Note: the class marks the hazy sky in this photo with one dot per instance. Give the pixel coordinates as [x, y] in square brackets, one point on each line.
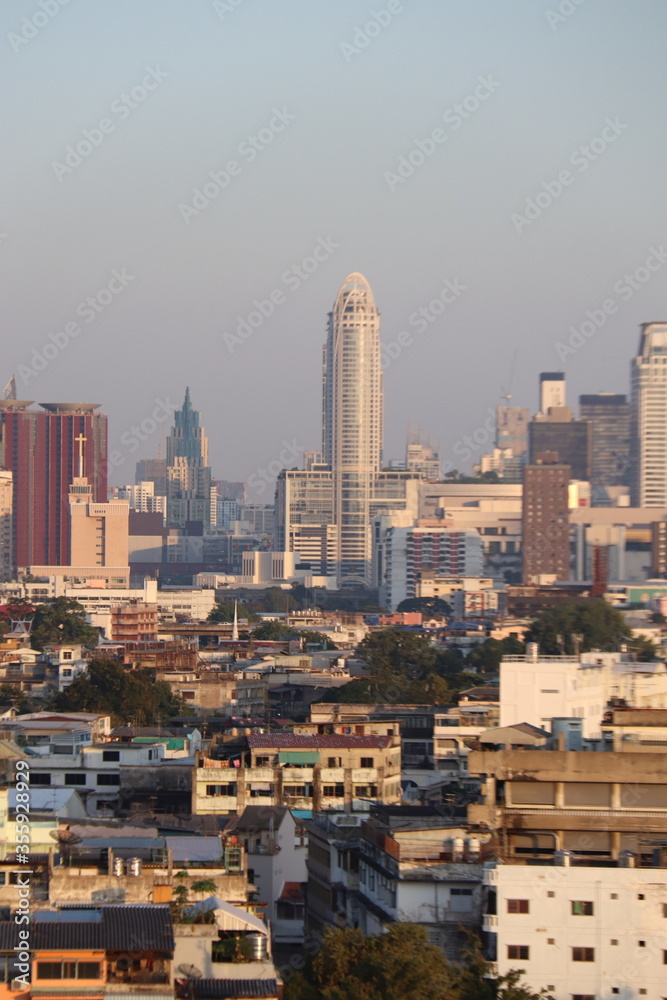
[304, 109]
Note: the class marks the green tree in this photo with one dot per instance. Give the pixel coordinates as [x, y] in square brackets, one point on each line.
[473, 981]
[275, 631]
[487, 656]
[598, 624]
[277, 599]
[428, 606]
[398, 653]
[61, 620]
[224, 612]
[127, 695]
[397, 965]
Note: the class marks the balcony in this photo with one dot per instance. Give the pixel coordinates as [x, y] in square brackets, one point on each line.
[490, 923]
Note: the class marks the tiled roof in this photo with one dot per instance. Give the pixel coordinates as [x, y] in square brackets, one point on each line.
[289, 741]
[258, 818]
[221, 989]
[121, 928]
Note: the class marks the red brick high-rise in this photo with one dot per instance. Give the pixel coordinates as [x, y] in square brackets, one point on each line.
[39, 446]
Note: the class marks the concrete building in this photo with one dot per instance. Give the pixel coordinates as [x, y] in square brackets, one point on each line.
[512, 429]
[303, 772]
[570, 440]
[134, 621]
[545, 521]
[6, 525]
[188, 471]
[649, 418]
[591, 804]
[153, 470]
[40, 448]
[552, 391]
[403, 553]
[276, 852]
[492, 509]
[536, 688]
[142, 498]
[584, 931]
[609, 416]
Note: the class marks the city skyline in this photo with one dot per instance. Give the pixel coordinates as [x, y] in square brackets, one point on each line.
[100, 258]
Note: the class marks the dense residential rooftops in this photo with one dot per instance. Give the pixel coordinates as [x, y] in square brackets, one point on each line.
[289, 741]
[255, 818]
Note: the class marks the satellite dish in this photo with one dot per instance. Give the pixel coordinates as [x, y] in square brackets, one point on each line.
[67, 841]
[190, 971]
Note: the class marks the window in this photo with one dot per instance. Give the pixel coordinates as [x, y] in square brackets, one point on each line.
[67, 654]
[111, 755]
[108, 779]
[551, 894]
[614, 941]
[664, 958]
[40, 779]
[88, 970]
[578, 996]
[583, 954]
[368, 762]
[333, 761]
[642, 944]
[521, 951]
[216, 790]
[640, 895]
[518, 906]
[614, 895]
[551, 940]
[336, 791]
[664, 909]
[49, 970]
[67, 671]
[75, 779]
[615, 989]
[582, 908]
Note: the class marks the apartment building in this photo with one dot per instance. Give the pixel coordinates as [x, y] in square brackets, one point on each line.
[579, 932]
[592, 804]
[535, 688]
[306, 773]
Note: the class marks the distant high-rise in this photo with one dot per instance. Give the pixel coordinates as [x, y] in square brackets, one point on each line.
[352, 408]
[649, 418]
[512, 429]
[545, 521]
[153, 470]
[326, 510]
[552, 391]
[40, 448]
[188, 471]
[609, 416]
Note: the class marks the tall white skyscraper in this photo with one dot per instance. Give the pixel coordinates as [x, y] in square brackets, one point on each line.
[352, 421]
[649, 418]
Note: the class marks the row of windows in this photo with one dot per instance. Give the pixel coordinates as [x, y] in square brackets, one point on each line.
[68, 970]
[75, 779]
[579, 907]
[578, 954]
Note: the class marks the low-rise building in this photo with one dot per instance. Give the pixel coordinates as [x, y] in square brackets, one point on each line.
[584, 931]
[306, 773]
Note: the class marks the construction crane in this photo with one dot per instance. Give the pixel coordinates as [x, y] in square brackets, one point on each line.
[506, 393]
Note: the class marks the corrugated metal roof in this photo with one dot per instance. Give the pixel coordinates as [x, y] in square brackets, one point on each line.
[195, 848]
[291, 741]
[226, 989]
